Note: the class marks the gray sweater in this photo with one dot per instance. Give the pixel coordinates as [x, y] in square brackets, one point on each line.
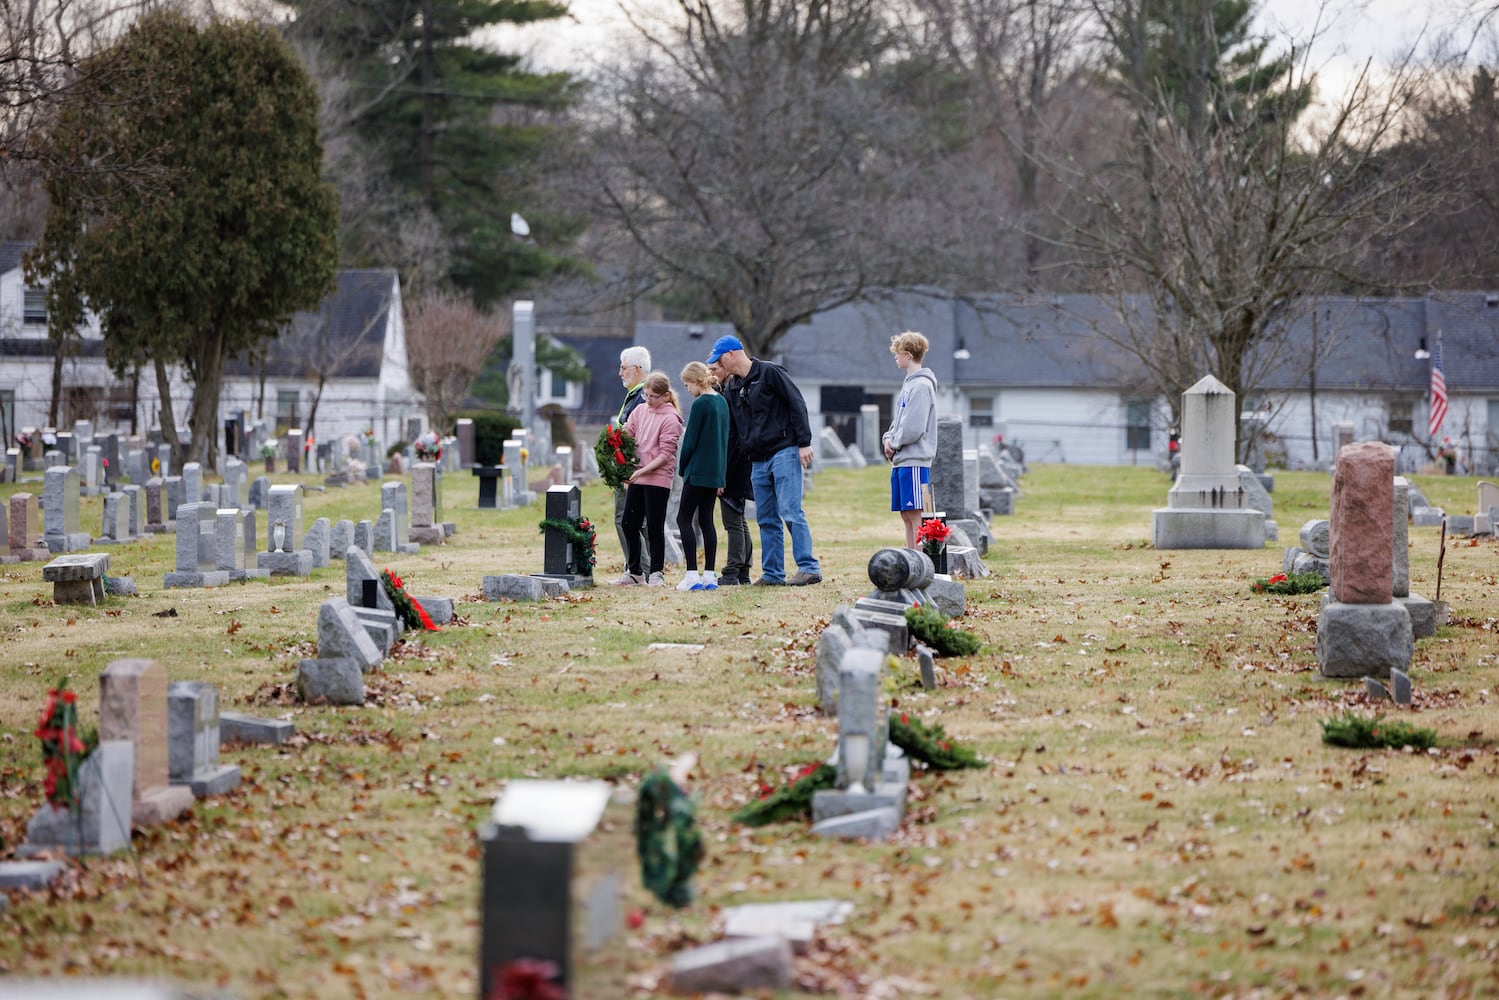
[913, 425]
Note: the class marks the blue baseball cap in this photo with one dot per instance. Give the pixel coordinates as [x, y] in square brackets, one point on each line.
[724, 345]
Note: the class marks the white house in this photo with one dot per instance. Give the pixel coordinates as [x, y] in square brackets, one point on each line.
[1038, 371]
[351, 350]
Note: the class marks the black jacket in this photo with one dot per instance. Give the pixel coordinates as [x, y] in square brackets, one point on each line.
[767, 411]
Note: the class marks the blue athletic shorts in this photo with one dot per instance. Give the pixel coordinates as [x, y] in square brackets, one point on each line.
[906, 482]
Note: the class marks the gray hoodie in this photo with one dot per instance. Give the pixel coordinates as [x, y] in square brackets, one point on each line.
[913, 424]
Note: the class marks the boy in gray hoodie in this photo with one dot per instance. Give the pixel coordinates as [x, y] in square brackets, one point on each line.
[911, 441]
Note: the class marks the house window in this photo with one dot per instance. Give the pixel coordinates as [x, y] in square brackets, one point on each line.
[34, 306]
[556, 389]
[981, 411]
[1137, 425]
[287, 401]
[1398, 416]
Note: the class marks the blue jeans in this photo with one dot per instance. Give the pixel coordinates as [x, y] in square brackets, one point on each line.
[778, 500]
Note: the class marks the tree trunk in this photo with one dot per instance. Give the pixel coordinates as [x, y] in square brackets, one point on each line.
[168, 419]
[56, 386]
[208, 370]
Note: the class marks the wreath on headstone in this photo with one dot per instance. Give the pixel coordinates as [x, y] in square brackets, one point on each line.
[616, 456]
[411, 613]
[931, 745]
[929, 626]
[667, 839]
[789, 800]
[64, 747]
[584, 539]
[1289, 583]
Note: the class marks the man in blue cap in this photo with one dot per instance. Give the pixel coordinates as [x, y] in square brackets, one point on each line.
[770, 420]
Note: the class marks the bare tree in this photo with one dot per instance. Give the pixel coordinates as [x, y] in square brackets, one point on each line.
[447, 342]
[326, 344]
[755, 157]
[1212, 238]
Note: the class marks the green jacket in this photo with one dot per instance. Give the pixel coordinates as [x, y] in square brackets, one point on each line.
[704, 458]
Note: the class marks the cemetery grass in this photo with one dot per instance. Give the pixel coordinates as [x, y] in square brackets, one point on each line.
[1158, 817]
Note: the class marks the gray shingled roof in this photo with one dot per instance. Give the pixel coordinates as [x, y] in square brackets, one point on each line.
[355, 315]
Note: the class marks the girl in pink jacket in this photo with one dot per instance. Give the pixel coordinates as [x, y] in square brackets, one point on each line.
[657, 430]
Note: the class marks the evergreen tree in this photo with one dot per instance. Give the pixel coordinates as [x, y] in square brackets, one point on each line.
[211, 264]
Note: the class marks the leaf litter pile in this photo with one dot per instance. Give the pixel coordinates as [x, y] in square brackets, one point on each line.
[1157, 815]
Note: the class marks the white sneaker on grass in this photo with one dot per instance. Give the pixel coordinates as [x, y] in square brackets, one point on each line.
[690, 581]
[656, 580]
[708, 581]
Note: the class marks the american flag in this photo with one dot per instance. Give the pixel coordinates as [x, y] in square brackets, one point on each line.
[1438, 391]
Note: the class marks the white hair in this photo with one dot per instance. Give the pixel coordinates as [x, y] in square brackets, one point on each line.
[637, 356]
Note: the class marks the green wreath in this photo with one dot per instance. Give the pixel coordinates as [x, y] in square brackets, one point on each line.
[931, 745]
[789, 800]
[616, 456]
[667, 839]
[411, 614]
[584, 539]
[930, 627]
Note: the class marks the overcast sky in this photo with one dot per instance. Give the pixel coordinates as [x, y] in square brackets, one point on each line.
[1350, 30]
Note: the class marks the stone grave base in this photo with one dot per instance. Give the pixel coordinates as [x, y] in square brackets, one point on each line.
[78, 542]
[573, 580]
[338, 682]
[25, 555]
[889, 792]
[1363, 640]
[1207, 528]
[298, 563]
[515, 587]
[158, 805]
[428, 535]
[162, 529]
[239, 575]
[1423, 614]
[213, 578]
[1426, 517]
[236, 727]
[103, 825]
[439, 609]
[870, 824]
[949, 595]
[224, 778]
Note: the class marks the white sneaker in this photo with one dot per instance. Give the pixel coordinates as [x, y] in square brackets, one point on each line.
[656, 580]
[628, 580]
[709, 581]
[690, 581]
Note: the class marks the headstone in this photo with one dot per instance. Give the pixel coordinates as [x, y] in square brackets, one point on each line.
[424, 526]
[364, 537]
[176, 495]
[1315, 537]
[260, 489]
[196, 561]
[192, 483]
[551, 856]
[337, 682]
[234, 540]
[12, 465]
[164, 462]
[949, 471]
[363, 587]
[1362, 630]
[133, 707]
[1342, 436]
[870, 442]
[516, 587]
[193, 740]
[465, 442]
[490, 479]
[237, 479]
[560, 558]
[871, 774]
[67, 447]
[155, 504]
[114, 526]
[114, 469]
[294, 450]
[133, 504]
[105, 781]
[341, 636]
[138, 465]
[25, 530]
[341, 538]
[735, 966]
[284, 555]
[317, 542]
[236, 727]
[1208, 507]
[60, 511]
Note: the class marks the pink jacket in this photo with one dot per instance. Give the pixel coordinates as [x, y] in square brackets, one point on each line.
[656, 432]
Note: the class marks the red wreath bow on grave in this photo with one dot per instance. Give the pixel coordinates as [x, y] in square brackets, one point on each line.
[407, 607]
[526, 979]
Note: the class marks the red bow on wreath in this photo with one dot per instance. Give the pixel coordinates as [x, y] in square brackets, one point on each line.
[616, 441]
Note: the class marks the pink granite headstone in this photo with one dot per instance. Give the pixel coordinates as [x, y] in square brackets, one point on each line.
[133, 706]
[1361, 533]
